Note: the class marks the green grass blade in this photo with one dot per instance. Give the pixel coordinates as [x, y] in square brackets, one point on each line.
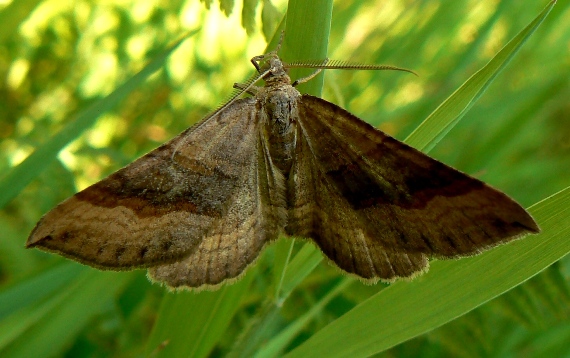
[277, 344]
[190, 324]
[448, 114]
[450, 289]
[304, 20]
[283, 252]
[32, 166]
[38, 287]
[300, 267]
[47, 329]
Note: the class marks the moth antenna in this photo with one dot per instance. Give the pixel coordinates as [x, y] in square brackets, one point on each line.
[281, 38]
[344, 65]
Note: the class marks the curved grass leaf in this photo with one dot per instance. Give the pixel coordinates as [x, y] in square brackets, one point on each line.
[448, 114]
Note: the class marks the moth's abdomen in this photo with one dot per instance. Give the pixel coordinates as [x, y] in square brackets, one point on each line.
[281, 150]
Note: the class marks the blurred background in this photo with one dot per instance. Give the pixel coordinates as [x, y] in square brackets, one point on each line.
[58, 58]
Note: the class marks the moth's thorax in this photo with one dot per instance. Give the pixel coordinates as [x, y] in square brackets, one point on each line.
[278, 109]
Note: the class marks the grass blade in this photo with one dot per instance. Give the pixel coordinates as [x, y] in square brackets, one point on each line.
[47, 329]
[38, 287]
[448, 114]
[190, 324]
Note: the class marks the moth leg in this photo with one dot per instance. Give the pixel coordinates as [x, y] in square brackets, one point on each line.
[246, 88]
[309, 77]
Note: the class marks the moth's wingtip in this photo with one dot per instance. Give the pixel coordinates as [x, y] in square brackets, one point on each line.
[535, 229]
[35, 240]
[529, 225]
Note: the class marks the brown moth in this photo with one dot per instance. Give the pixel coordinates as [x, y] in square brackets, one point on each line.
[199, 209]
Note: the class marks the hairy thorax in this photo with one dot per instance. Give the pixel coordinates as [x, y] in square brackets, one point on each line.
[278, 102]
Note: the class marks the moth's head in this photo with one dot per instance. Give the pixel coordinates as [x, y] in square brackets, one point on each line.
[269, 65]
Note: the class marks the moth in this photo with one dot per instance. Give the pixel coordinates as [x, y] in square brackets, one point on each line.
[198, 210]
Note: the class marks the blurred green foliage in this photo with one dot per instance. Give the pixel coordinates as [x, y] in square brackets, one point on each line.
[60, 59]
